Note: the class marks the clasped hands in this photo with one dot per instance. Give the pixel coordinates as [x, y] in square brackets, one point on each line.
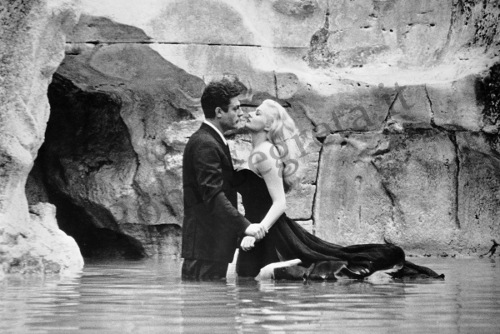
[254, 232]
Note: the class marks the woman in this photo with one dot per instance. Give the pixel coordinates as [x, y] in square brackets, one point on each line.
[288, 251]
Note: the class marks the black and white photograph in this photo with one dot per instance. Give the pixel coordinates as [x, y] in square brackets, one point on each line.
[249, 166]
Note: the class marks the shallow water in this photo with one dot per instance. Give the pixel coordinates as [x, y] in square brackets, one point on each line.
[149, 297]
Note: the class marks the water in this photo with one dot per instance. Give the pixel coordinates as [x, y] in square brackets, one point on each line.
[148, 297]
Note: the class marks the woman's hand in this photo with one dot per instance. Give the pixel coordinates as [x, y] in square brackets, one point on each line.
[247, 243]
[258, 231]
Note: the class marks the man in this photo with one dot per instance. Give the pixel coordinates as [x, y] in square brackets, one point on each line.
[212, 224]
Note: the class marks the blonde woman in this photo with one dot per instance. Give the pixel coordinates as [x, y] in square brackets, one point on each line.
[287, 250]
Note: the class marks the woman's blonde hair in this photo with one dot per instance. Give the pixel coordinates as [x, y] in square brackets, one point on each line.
[285, 136]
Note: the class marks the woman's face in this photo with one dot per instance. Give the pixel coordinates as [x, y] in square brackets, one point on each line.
[258, 119]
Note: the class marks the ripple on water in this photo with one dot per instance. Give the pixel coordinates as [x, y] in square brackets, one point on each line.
[148, 296]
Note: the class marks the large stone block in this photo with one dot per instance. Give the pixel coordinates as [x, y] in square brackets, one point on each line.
[457, 105]
[351, 205]
[376, 187]
[419, 173]
[300, 202]
[334, 105]
[478, 192]
[411, 108]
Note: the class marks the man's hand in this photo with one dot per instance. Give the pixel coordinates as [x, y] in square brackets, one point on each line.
[247, 243]
[256, 230]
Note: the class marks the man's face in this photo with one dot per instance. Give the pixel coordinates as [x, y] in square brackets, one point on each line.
[230, 120]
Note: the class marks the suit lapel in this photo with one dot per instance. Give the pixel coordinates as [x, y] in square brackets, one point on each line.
[228, 154]
[216, 136]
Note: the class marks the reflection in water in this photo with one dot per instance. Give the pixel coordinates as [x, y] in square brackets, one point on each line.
[149, 297]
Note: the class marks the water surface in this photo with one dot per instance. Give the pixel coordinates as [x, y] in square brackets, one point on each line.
[149, 297]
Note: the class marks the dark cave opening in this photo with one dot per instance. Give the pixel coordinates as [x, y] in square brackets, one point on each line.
[84, 134]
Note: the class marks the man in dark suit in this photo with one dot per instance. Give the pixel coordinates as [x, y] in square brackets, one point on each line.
[212, 224]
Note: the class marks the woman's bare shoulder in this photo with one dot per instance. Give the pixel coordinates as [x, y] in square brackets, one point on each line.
[268, 149]
[263, 157]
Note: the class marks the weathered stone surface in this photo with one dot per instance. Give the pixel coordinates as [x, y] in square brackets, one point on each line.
[309, 160]
[491, 100]
[396, 33]
[300, 202]
[478, 191]
[307, 225]
[159, 240]
[214, 22]
[39, 247]
[473, 35]
[301, 198]
[334, 105]
[419, 174]
[351, 205]
[411, 107]
[53, 249]
[245, 22]
[296, 8]
[457, 105]
[92, 29]
[376, 188]
[392, 36]
[32, 43]
[36, 191]
[249, 64]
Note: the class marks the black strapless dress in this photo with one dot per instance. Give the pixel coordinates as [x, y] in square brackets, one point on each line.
[287, 240]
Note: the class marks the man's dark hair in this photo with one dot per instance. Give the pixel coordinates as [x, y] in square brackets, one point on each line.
[218, 94]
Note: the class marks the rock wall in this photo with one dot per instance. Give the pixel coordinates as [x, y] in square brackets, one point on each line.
[32, 41]
[397, 103]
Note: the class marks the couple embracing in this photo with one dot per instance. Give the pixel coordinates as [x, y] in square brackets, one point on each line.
[271, 244]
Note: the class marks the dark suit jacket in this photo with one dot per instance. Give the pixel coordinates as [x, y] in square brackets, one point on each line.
[212, 224]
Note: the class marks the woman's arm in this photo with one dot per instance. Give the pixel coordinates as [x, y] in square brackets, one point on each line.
[270, 168]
